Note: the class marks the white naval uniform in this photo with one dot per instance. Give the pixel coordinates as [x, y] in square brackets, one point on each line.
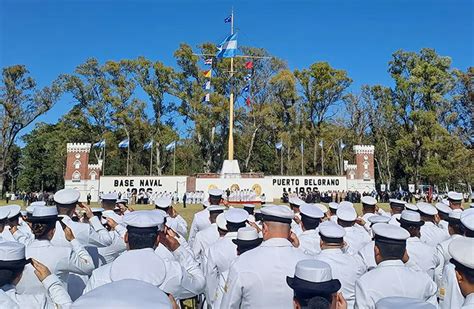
[257, 277]
[356, 238]
[60, 261]
[57, 296]
[443, 256]
[367, 222]
[469, 302]
[431, 234]
[394, 219]
[219, 259]
[93, 233]
[449, 294]
[110, 253]
[345, 267]
[183, 277]
[366, 253]
[295, 227]
[393, 278]
[423, 255]
[181, 225]
[203, 240]
[200, 222]
[443, 224]
[310, 242]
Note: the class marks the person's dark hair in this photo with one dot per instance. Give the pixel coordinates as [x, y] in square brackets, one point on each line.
[316, 302]
[249, 210]
[234, 227]
[8, 275]
[108, 204]
[344, 223]
[467, 272]
[414, 230]
[391, 250]
[41, 229]
[310, 223]
[141, 239]
[468, 233]
[215, 200]
[243, 249]
[368, 207]
[456, 226]
[65, 209]
[332, 211]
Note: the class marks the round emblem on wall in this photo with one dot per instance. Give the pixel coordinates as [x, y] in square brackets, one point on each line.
[366, 157]
[78, 155]
[257, 188]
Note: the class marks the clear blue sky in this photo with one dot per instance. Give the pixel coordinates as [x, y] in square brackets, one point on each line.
[53, 37]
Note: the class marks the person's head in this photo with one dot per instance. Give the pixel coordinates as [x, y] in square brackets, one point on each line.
[143, 229]
[12, 262]
[390, 242]
[221, 225]
[346, 216]
[411, 221]
[454, 222]
[467, 221]
[443, 211]
[247, 239]
[215, 196]
[214, 211]
[455, 200]
[333, 206]
[332, 235]
[109, 200]
[396, 206]
[368, 204]
[249, 208]
[427, 211]
[236, 218]
[276, 221]
[43, 222]
[313, 285]
[3, 217]
[461, 250]
[311, 216]
[295, 203]
[13, 215]
[66, 201]
[163, 203]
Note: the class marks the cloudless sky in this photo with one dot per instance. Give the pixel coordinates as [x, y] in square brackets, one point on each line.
[52, 37]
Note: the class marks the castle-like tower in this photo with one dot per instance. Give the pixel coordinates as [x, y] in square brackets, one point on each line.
[361, 175]
[80, 174]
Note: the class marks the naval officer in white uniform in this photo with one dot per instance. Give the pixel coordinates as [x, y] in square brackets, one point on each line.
[164, 203]
[462, 250]
[311, 217]
[201, 218]
[431, 233]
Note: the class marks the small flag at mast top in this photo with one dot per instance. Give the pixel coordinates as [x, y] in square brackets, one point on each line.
[148, 145]
[207, 73]
[208, 61]
[249, 65]
[124, 144]
[228, 19]
[248, 101]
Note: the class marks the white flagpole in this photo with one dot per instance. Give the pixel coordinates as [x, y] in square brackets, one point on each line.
[151, 156]
[174, 159]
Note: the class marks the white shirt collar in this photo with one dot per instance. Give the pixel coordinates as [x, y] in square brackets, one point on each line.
[390, 263]
[277, 242]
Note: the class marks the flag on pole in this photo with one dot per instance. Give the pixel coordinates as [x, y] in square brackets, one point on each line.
[208, 61]
[321, 143]
[148, 145]
[246, 89]
[248, 77]
[100, 144]
[342, 144]
[124, 144]
[279, 145]
[207, 85]
[207, 98]
[228, 48]
[248, 101]
[207, 73]
[171, 146]
[249, 65]
[228, 19]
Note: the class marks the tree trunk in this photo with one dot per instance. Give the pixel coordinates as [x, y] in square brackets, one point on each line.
[249, 154]
[315, 149]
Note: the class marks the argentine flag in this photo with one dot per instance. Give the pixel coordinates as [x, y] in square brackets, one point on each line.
[279, 145]
[228, 48]
[171, 146]
[124, 143]
[100, 144]
[148, 145]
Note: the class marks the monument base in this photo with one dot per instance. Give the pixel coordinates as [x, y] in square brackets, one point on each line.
[230, 169]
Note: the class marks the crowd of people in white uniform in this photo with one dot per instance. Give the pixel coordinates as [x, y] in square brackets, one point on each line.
[300, 255]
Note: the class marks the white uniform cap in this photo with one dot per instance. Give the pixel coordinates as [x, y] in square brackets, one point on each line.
[390, 231]
[333, 205]
[12, 251]
[411, 216]
[443, 208]
[113, 196]
[112, 215]
[143, 265]
[467, 219]
[471, 205]
[313, 271]
[295, 201]
[13, 210]
[396, 302]
[454, 196]
[411, 206]
[216, 208]
[455, 214]
[368, 200]
[379, 219]
[67, 196]
[331, 230]
[216, 192]
[462, 250]
[46, 211]
[346, 203]
[144, 219]
[346, 213]
[97, 209]
[221, 221]
[206, 203]
[247, 233]
[236, 215]
[312, 211]
[121, 201]
[323, 208]
[163, 202]
[127, 293]
[426, 208]
[249, 205]
[38, 203]
[399, 203]
[4, 211]
[277, 213]
[23, 212]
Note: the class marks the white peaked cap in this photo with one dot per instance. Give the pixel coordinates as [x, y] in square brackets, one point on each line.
[395, 201]
[112, 215]
[144, 219]
[112, 196]
[312, 211]
[163, 202]
[396, 302]
[331, 230]
[454, 196]
[455, 214]
[236, 215]
[313, 271]
[38, 203]
[368, 200]
[221, 221]
[467, 219]
[13, 210]
[295, 201]
[127, 293]
[11, 251]
[462, 251]
[442, 207]
[411, 216]
[333, 205]
[4, 211]
[46, 211]
[346, 203]
[379, 219]
[216, 192]
[277, 212]
[390, 231]
[67, 196]
[216, 208]
[346, 213]
[411, 206]
[97, 209]
[247, 233]
[427, 209]
[323, 208]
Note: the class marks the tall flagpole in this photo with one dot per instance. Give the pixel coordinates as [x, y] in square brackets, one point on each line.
[103, 160]
[151, 156]
[174, 159]
[231, 98]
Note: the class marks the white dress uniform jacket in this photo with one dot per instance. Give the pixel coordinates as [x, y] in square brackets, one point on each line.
[469, 302]
[57, 296]
[219, 259]
[394, 219]
[60, 261]
[257, 277]
[183, 277]
[367, 223]
[110, 253]
[443, 256]
[181, 225]
[366, 253]
[449, 293]
[423, 255]
[393, 278]
[310, 242]
[345, 267]
[200, 222]
[432, 235]
[93, 233]
[203, 240]
[356, 238]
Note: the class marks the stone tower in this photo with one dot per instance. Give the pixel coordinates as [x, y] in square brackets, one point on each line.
[80, 174]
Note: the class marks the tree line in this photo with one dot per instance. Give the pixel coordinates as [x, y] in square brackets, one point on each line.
[421, 126]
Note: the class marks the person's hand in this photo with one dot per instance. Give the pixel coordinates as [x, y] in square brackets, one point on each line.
[338, 301]
[172, 212]
[111, 223]
[41, 271]
[68, 234]
[294, 240]
[360, 221]
[405, 257]
[297, 219]
[254, 225]
[173, 302]
[87, 210]
[437, 218]
[168, 240]
[13, 229]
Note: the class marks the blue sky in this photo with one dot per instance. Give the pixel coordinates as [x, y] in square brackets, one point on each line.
[53, 37]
